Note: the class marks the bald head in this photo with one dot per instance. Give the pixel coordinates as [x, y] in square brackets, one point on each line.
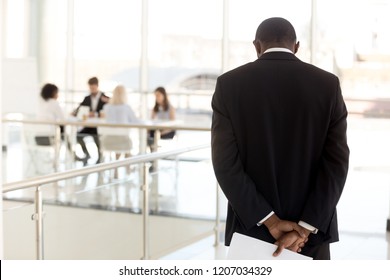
[275, 32]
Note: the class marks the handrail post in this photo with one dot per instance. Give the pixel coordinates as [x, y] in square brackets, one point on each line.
[154, 188]
[388, 224]
[57, 146]
[156, 140]
[38, 218]
[217, 218]
[145, 212]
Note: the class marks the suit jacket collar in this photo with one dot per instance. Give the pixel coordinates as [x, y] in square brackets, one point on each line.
[278, 56]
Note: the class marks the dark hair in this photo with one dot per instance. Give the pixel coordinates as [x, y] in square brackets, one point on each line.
[276, 30]
[166, 101]
[48, 91]
[93, 81]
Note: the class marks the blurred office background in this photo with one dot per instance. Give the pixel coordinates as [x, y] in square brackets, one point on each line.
[183, 46]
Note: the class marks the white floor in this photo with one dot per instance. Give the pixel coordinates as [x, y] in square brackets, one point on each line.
[352, 246]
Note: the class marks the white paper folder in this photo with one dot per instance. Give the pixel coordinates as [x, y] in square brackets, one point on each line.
[243, 247]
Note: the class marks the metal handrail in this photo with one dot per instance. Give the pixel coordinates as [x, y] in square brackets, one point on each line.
[59, 176]
[142, 125]
[38, 183]
[200, 92]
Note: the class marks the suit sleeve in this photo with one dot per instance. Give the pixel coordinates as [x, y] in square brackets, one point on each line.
[101, 102]
[332, 171]
[84, 103]
[248, 204]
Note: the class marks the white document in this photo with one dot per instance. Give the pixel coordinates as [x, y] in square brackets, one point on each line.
[243, 247]
[83, 111]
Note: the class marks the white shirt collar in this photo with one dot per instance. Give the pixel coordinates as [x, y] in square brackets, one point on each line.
[95, 101]
[97, 96]
[278, 50]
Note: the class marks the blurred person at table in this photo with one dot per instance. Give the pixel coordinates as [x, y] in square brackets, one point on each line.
[95, 101]
[117, 111]
[49, 110]
[162, 111]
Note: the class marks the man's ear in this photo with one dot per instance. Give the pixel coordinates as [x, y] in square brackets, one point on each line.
[257, 45]
[296, 47]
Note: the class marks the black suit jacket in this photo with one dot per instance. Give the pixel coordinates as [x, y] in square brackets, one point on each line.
[279, 144]
[88, 102]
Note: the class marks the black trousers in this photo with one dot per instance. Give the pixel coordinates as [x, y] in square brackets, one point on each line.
[88, 131]
[317, 252]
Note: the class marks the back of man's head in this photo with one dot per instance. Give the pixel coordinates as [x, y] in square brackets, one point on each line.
[276, 30]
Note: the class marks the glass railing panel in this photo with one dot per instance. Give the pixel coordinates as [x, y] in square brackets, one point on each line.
[100, 215]
[182, 201]
[95, 217]
[18, 229]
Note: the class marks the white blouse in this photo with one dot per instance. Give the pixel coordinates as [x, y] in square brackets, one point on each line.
[51, 110]
[121, 114]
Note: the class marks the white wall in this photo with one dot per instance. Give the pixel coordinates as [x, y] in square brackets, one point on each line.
[20, 89]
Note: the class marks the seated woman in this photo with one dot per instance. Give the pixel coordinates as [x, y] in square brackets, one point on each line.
[117, 111]
[162, 110]
[50, 110]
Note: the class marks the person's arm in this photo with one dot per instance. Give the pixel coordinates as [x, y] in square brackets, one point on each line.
[171, 118]
[75, 111]
[332, 170]
[310, 228]
[153, 116]
[172, 113]
[288, 235]
[104, 99]
[84, 103]
[103, 113]
[278, 227]
[248, 203]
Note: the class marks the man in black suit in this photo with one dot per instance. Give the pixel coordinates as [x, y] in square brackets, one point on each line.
[95, 101]
[279, 146]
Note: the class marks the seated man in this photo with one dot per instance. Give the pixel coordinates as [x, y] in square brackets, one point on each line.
[95, 101]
